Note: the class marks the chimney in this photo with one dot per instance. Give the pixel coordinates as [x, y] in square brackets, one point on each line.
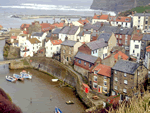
[102, 24]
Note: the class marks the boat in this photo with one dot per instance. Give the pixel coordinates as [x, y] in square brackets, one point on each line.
[19, 77]
[57, 110]
[95, 97]
[24, 74]
[10, 79]
[54, 80]
[69, 102]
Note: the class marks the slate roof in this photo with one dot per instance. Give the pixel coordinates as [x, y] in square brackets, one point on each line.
[69, 43]
[56, 31]
[105, 36]
[126, 66]
[97, 44]
[86, 57]
[65, 30]
[142, 14]
[146, 37]
[37, 33]
[80, 34]
[85, 32]
[73, 30]
[87, 26]
[109, 29]
[48, 35]
[124, 31]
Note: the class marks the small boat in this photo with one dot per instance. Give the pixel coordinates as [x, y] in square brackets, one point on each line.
[54, 80]
[69, 102]
[25, 75]
[95, 97]
[19, 77]
[10, 79]
[57, 110]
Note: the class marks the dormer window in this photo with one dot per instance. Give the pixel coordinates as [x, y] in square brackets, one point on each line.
[95, 72]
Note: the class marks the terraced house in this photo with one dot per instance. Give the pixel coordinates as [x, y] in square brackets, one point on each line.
[69, 49]
[126, 76]
[100, 79]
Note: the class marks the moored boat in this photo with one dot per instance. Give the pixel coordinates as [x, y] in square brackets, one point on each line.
[69, 102]
[24, 74]
[10, 79]
[57, 110]
[19, 77]
[54, 80]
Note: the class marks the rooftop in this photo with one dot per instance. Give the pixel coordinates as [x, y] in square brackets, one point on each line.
[56, 42]
[124, 31]
[37, 34]
[86, 57]
[34, 40]
[103, 70]
[126, 66]
[146, 37]
[65, 30]
[56, 31]
[73, 30]
[123, 55]
[69, 43]
[105, 36]
[137, 37]
[123, 19]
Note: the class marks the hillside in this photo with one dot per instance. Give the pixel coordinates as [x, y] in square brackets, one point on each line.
[117, 5]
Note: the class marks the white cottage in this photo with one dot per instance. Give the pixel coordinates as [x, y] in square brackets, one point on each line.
[63, 33]
[52, 47]
[30, 47]
[135, 45]
[84, 36]
[73, 32]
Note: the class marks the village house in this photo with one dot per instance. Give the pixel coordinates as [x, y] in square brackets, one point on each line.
[22, 37]
[114, 57]
[121, 21]
[80, 22]
[69, 49]
[35, 27]
[30, 47]
[108, 29]
[141, 21]
[110, 39]
[100, 18]
[40, 36]
[84, 63]
[24, 27]
[46, 27]
[123, 36]
[55, 34]
[100, 79]
[63, 33]
[135, 45]
[41, 52]
[96, 48]
[84, 36]
[127, 75]
[73, 32]
[52, 47]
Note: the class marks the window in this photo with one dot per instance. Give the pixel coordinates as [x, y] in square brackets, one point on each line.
[105, 77]
[125, 81]
[51, 48]
[85, 63]
[104, 89]
[116, 79]
[146, 22]
[64, 56]
[93, 52]
[94, 85]
[126, 36]
[125, 90]
[137, 54]
[125, 74]
[138, 26]
[57, 48]
[33, 47]
[105, 54]
[95, 78]
[139, 17]
[145, 27]
[90, 65]
[116, 36]
[139, 21]
[120, 36]
[70, 58]
[79, 61]
[95, 72]
[76, 60]
[115, 72]
[133, 51]
[105, 83]
[115, 87]
[120, 41]
[137, 46]
[126, 23]
[126, 42]
[69, 52]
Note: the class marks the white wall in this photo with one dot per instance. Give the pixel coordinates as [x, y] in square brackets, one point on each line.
[21, 40]
[62, 36]
[98, 20]
[136, 23]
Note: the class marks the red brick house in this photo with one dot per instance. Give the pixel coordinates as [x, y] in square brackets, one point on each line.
[84, 63]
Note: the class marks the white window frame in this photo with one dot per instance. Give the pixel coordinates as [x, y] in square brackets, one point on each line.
[84, 63]
[105, 77]
[95, 78]
[116, 36]
[105, 82]
[115, 87]
[63, 51]
[115, 72]
[125, 75]
[95, 71]
[125, 90]
[94, 85]
[116, 79]
[104, 89]
[125, 82]
[120, 36]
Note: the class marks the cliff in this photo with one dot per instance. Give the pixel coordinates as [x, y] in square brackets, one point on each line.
[117, 5]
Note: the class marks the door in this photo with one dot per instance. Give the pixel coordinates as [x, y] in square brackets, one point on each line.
[100, 89]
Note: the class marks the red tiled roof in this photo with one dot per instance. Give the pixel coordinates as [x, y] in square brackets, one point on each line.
[123, 19]
[102, 17]
[111, 18]
[137, 37]
[25, 32]
[45, 27]
[56, 42]
[83, 21]
[103, 70]
[148, 48]
[13, 37]
[123, 56]
[1, 26]
[85, 85]
[58, 24]
[25, 25]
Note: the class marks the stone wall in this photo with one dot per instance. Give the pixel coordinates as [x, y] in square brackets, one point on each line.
[84, 72]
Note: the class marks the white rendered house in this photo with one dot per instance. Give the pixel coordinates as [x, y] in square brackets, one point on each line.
[52, 47]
